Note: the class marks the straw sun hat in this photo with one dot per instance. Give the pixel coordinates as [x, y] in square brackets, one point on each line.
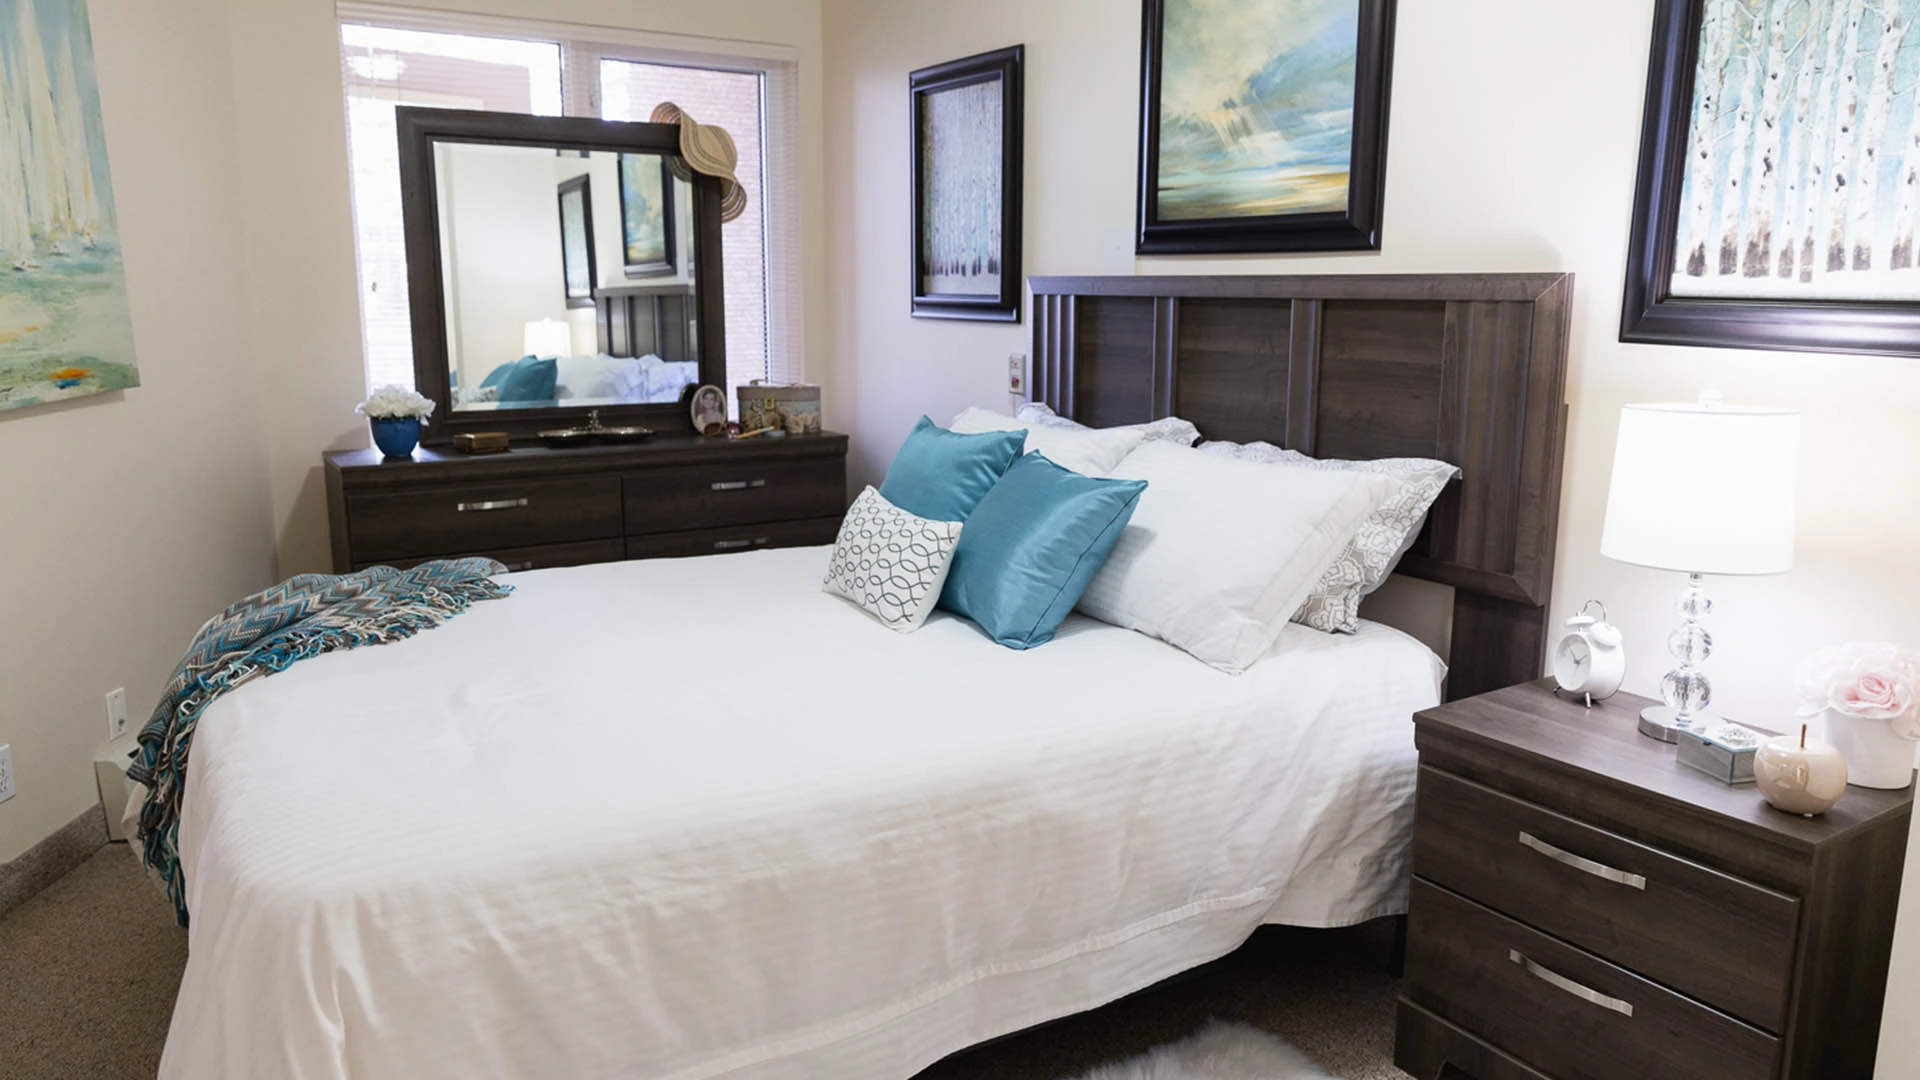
[710, 150]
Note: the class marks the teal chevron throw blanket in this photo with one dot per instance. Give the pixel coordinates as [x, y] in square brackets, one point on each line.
[268, 632]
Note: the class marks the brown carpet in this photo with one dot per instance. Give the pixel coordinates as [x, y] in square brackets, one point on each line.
[88, 971]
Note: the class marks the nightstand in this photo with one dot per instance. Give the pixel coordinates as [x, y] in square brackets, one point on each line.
[1584, 906]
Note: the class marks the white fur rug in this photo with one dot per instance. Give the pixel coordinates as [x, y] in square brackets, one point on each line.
[1219, 1051]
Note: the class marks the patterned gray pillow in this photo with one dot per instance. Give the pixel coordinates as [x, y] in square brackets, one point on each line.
[1384, 536]
[1167, 429]
[890, 562]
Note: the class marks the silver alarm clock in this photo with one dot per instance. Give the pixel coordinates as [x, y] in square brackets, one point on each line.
[1590, 660]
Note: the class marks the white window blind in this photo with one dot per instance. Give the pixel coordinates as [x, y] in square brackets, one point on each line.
[392, 56]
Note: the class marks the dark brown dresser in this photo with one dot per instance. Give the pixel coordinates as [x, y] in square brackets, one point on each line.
[532, 508]
[1586, 907]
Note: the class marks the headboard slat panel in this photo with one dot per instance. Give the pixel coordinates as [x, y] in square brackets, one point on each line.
[1468, 368]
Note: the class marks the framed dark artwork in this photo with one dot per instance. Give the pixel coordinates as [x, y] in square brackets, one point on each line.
[966, 187]
[646, 215]
[1263, 125]
[1779, 185]
[576, 240]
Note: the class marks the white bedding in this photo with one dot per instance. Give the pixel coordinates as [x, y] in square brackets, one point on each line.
[684, 818]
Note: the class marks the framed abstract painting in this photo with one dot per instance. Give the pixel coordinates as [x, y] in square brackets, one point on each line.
[1779, 187]
[65, 328]
[966, 187]
[646, 215]
[1263, 125]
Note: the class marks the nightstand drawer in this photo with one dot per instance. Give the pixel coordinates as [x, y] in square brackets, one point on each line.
[750, 492]
[1723, 940]
[1561, 1010]
[482, 518]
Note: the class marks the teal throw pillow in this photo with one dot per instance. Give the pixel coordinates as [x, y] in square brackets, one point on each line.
[1032, 545]
[500, 372]
[530, 381]
[942, 475]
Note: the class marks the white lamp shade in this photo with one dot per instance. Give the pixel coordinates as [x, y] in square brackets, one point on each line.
[548, 338]
[1707, 489]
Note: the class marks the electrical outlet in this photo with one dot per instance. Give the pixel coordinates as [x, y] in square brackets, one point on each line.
[6, 773]
[116, 712]
[1017, 374]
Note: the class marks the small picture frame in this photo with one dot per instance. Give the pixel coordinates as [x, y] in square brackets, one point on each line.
[709, 410]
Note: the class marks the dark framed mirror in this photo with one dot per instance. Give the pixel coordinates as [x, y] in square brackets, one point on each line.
[495, 343]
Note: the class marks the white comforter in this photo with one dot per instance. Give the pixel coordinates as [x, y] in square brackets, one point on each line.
[694, 817]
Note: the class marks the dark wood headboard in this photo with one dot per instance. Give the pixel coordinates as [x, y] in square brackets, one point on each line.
[634, 320]
[1467, 368]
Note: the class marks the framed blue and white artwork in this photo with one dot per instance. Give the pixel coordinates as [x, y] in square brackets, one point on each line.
[1263, 125]
[65, 329]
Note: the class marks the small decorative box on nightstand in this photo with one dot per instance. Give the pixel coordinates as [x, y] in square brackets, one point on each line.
[1586, 907]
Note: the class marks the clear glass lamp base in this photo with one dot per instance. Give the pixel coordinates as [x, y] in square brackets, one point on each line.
[1685, 690]
[1663, 722]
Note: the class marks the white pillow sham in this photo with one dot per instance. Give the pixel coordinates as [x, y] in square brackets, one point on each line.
[889, 562]
[1087, 451]
[1378, 544]
[1221, 553]
[1167, 429]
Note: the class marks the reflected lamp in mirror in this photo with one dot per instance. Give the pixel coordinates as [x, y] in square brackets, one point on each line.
[1702, 489]
[547, 338]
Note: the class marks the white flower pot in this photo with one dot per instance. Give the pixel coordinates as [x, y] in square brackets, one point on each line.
[1876, 757]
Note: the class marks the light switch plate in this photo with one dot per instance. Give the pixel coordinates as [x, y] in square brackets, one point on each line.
[6, 773]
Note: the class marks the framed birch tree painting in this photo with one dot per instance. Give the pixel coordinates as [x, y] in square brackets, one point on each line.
[966, 187]
[1779, 188]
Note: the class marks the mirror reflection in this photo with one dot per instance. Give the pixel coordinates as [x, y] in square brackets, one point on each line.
[568, 277]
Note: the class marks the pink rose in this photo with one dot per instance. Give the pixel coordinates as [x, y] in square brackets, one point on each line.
[1873, 693]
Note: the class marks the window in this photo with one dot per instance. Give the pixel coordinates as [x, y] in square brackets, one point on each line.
[391, 58]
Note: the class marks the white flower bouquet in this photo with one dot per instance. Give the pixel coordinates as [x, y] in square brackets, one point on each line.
[395, 403]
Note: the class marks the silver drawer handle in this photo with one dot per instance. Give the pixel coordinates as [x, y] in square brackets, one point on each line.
[1555, 979]
[1599, 870]
[737, 485]
[491, 504]
[736, 545]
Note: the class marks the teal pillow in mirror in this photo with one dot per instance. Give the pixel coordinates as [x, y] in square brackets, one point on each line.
[530, 380]
[941, 475]
[500, 372]
[1031, 546]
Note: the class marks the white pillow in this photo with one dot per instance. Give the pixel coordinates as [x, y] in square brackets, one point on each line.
[1221, 553]
[890, 562]
[1166, 429]
[1087, 451]
[599, 376]
[1379, 543]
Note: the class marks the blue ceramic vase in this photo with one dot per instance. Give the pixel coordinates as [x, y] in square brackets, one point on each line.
[396, 436]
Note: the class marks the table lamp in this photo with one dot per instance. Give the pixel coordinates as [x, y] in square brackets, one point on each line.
[1702, 489]
[548, 338]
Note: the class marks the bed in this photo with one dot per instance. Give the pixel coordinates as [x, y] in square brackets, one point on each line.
[688, 818]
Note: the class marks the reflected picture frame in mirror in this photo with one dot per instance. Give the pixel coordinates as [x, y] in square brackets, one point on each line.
[646, 215]
[577, 264]
[685, 317]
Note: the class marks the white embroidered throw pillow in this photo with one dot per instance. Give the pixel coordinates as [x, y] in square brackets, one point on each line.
[890, 562]
[1166, 429]
[1383, 537]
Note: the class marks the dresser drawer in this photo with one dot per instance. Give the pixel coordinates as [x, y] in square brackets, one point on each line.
[531, 558]
[1432, 1049]
[1716, 937]
[754, 491]
[1564, 1011]
[482, 518]
[735, 538]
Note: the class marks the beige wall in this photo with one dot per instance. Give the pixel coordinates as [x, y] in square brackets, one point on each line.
[1513, 142]
[302, 311]
[127, 519]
